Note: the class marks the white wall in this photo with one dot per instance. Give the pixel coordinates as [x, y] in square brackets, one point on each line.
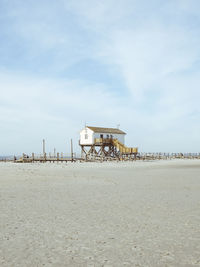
[89, 140]
[91, 136]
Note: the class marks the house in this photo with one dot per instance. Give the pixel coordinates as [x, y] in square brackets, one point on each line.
[90, 133]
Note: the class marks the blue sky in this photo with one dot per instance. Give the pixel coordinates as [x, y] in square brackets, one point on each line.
[128, 62]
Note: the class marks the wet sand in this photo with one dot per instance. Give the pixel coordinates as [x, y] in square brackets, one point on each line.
[100, 214]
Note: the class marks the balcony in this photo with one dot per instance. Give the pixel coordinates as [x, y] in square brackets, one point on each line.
[98, 141]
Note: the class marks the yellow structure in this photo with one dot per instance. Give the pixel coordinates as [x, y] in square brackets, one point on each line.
[124, 149]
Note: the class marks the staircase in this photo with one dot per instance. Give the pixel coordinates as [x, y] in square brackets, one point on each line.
[122, 148]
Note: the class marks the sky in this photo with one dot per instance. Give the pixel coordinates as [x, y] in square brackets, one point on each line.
[65, 64]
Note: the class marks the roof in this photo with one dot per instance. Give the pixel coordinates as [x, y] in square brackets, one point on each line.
[105, 130]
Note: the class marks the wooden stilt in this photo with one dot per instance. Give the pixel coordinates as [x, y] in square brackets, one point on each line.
[72, 159]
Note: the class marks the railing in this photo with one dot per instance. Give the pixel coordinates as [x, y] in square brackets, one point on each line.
[59, 157]
[103, 140]
[162, 156]
[47, 157]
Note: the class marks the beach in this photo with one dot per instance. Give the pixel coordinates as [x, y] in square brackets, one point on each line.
[100, 214]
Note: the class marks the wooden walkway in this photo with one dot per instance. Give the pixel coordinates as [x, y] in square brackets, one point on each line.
[44, 158]
[61, 158]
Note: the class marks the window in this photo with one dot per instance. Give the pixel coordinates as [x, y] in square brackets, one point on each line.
[101, 135]
[86, 136]
[107, 136]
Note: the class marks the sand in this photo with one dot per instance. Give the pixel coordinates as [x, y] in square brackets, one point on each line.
[100, 214]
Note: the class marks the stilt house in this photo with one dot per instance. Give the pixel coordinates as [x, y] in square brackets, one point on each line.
[89, 134]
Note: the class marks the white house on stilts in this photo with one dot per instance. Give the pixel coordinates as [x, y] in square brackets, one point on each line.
[99, 142]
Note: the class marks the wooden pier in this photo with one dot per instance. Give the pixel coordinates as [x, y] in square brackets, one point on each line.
[46, 158]
[60, 157]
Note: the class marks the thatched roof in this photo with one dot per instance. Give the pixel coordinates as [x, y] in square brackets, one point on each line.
[105, 130]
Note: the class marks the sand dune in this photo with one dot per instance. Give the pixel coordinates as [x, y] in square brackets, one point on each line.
[100, 214]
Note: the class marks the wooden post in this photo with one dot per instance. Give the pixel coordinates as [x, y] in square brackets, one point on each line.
[57, 157]
[72, 151]
[45, 157]
[43, 142]
[54, 152]
[33, 157]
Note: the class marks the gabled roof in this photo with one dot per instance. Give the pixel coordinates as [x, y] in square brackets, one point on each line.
[105, 130]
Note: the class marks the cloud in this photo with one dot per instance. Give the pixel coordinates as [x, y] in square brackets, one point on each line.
[34, 107]
[147, 55]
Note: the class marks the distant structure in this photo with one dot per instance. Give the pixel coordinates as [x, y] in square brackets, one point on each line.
[99, 142]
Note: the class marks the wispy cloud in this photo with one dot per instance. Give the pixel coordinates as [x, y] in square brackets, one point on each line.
[146, 56]
[35, 107]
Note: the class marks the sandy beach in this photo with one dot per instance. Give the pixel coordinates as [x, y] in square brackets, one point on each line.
[100, 214]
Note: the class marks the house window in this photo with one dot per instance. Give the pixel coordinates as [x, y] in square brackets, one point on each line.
[86, 136]
[107, 136]
[101, 135]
